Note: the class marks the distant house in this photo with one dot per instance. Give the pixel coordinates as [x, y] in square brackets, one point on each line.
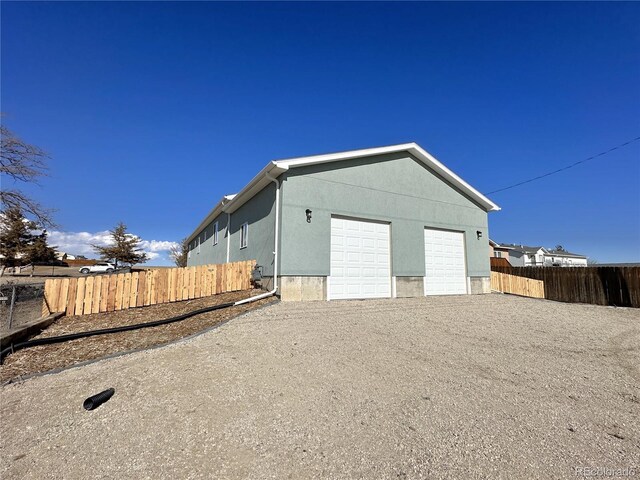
[64, 256]
[498, 251]
[535, 256]
[562, 258]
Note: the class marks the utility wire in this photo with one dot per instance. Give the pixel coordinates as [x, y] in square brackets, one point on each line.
[564, 168]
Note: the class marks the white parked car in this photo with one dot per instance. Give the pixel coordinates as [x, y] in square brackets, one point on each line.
[98, 267]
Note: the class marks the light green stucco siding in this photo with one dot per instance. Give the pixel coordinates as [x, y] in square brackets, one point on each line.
[208, 253]
[259, 213]
[392, 188]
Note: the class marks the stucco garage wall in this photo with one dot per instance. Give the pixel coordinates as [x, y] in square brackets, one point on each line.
[395, 188]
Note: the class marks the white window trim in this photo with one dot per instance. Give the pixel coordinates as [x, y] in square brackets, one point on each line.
[244, 237]
[198, 244]
[215, 233]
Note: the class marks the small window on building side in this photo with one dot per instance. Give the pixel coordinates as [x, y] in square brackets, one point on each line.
[244, 235]
[215, 233]
[498, 254]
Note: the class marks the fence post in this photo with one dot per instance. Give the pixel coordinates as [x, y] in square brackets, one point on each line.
[13, 301]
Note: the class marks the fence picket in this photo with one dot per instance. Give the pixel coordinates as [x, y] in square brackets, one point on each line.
[48, 298]
[119, 291]
[104, 294]
[80, 296]
[71, 296]
[97, 293]
[61, 300]
[133, 295]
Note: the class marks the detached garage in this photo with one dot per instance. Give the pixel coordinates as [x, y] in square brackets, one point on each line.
[373, 223]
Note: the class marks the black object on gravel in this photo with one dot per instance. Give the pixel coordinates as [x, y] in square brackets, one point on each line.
[98, 399]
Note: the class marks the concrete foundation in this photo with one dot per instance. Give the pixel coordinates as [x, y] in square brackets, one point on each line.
[303, 289]
[480, 285]
[407, 287]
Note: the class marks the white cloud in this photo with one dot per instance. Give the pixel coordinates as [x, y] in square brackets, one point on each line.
[157, 245]
[79, 243]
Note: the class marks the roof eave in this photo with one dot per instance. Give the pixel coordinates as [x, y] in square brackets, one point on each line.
[258, 182]
[215, 211]
[434, 163]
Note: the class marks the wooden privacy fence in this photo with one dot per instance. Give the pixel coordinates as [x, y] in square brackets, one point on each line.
[619, 286]
[527, 287]
[107, 293]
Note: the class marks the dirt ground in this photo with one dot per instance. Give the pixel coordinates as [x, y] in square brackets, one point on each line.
[48, 357]
[488, 386]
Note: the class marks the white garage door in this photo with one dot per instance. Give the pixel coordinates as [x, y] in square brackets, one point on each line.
[360, 259]
[444, 262]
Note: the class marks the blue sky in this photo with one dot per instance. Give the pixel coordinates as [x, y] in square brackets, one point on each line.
[152, 111]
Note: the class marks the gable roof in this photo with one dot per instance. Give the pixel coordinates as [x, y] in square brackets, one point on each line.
[230, 203]
[524, 248]
[499, 245]
[564, 253]
[547, 251]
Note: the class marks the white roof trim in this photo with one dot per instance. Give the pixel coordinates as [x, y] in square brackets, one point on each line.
[230, 203]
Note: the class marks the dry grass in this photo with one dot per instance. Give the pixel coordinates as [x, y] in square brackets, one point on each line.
[48, 357]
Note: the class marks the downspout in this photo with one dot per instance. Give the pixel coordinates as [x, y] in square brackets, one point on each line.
[276, 243]
[228, 234]
[276, 240]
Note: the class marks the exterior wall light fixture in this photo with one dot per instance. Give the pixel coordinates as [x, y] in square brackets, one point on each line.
[308, 212]
[479, 234]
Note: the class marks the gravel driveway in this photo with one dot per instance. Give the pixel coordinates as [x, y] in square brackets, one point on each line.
[489, 386]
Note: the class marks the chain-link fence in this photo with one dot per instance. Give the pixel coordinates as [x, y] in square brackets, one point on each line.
[20, 304]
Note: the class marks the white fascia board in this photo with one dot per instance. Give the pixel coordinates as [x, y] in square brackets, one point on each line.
[497, 245]
[254, 186]
[412, 148]
[215, 211]
[334, 157]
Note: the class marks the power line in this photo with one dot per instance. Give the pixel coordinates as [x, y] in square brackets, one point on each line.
[564, 168]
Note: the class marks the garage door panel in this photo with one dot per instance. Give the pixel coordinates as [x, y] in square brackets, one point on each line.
[445, 263]
[360, 259]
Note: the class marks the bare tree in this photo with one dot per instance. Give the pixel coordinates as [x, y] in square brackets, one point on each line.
[179, 252]
[24, 163]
